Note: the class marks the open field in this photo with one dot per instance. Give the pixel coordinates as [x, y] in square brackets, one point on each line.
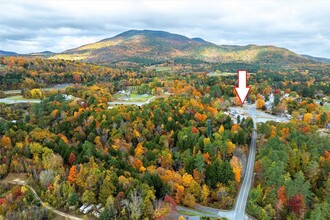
[18, 99]
[8, 92]
[133, 97]
[21, 98]
[326, 107]
[224, 74]
[159, 68]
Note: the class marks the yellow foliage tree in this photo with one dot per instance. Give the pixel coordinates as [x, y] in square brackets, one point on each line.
[136, 133]
[236, 168]
[204, 194]
[221, 129]
[285, 132]
[231, 147]
[97, 141]
[260, 103]
[139, 150]
[308, 118]
[206, 141]
[273, 131]
[187, 179]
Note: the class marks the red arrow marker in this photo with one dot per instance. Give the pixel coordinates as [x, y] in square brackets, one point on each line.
[242, 90]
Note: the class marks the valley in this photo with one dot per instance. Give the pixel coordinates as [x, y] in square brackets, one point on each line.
[147, 125]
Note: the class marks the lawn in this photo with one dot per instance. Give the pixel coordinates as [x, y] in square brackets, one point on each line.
[159, 68]
[188, 213]
[21, 98]
[183, 212]
[224, 74]
[133, 97]
[326, 107]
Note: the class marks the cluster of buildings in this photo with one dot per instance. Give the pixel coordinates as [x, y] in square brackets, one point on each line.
[95, 209]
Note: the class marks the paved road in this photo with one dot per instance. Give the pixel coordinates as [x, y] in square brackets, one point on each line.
[23, 183]
[257, 115]
[246, 185]
[238, 213]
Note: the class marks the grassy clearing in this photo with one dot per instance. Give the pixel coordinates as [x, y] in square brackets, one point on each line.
[133, 97]
[12, 176]
[2, 67]
[159, 68]
[183, 212]
[197, 210]
[221, 74]
[21, 98]
[224, 74]
[326, 107]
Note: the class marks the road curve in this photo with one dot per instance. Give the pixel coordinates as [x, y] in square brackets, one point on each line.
[63, 214]
[238, 213]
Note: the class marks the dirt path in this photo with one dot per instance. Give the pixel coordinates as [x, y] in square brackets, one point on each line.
[21, 182]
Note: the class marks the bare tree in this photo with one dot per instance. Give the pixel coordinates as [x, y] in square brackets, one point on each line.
[133, 205]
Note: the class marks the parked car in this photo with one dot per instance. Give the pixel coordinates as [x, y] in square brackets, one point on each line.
[88, 209]
[81, 209]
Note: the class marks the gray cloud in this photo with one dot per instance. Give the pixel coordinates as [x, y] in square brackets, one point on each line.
[35, 25]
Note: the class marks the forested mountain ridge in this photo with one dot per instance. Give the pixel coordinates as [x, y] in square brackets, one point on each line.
[149, 47]
[7, 53]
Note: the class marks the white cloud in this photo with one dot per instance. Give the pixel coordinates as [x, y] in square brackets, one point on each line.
[302, 26]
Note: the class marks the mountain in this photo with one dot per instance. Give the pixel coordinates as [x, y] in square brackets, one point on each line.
[7, 53]
[149, 47]
[43, 53]
[318, 59]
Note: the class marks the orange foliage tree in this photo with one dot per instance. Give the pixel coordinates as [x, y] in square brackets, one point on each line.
[72, 174]
[179, 193]
[281, 198]
[236, 168]
[5, 141]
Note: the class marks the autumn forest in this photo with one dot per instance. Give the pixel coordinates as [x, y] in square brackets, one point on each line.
[183, 148]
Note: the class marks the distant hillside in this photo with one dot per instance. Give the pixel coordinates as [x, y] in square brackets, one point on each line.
[7, 53]
[43, 53]
[148, 47]
[318, 59]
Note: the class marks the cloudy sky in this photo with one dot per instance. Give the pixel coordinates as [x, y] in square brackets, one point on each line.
[56, 25]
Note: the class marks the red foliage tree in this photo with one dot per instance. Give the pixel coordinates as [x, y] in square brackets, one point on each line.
[72, 158]
[327, 155]
[296, 203]
[171, 201]
[17, 192]
[194, 130]
[2, 201]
